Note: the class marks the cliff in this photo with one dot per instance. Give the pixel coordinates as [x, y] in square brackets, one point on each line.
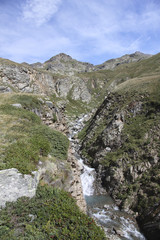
[122, 142]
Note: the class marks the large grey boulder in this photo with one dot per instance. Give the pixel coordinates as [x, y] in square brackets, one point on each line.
[14, 185]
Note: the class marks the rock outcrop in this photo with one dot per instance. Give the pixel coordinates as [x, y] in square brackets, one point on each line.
[121, 142]
[18, 77]
[75, 187]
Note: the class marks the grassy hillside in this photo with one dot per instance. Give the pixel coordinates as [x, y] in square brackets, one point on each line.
[24, 140]
[102, 81]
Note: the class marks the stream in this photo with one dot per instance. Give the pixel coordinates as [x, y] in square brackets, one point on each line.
[116, 224]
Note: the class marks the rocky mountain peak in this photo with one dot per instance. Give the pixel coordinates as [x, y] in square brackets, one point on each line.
[60, 57]
[64, 64]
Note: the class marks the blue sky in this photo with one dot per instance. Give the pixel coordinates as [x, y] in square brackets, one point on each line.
[88, 30]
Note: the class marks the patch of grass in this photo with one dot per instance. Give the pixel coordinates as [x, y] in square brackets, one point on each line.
[75, 107]
[39, 141]
[27, 101]
[24, 155]
[147, 84]
[20, 113]
[51, 214]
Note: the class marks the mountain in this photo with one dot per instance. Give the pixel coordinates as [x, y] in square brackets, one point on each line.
[72, 82]
[64, 64]
[128, 58]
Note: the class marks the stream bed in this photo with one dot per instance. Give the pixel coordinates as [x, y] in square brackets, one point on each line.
[117, 224]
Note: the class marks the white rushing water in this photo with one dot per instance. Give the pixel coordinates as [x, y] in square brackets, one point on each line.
[87, 179]
[108, 215]
[117, 224]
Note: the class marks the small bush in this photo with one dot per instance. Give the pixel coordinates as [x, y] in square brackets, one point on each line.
[54, 118]
[59, 143]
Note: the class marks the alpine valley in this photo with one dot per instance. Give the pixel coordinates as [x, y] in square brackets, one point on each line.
[56, 113]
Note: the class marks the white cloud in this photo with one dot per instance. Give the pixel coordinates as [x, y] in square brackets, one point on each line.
[34, 46]
[40, 11]
[116, 27]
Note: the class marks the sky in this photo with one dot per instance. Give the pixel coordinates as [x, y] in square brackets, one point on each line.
[87, 30]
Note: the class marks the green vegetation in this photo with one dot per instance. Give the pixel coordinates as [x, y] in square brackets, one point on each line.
[27, 101]
[141, 76]
[54, 118]
[75, 107]
[51, 214]
[24, 139]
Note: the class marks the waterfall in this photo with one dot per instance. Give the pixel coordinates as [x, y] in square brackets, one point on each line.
[87, 179]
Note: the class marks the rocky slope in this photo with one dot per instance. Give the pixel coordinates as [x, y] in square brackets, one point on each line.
[128, 58]
[122, 142]
[12, 183]
[18, 77]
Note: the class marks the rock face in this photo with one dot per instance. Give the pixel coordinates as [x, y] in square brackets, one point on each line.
[23, 78]
[73, 87]
[121, 142]
[128, 58]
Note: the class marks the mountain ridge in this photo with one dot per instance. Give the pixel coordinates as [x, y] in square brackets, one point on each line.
[107, 65]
